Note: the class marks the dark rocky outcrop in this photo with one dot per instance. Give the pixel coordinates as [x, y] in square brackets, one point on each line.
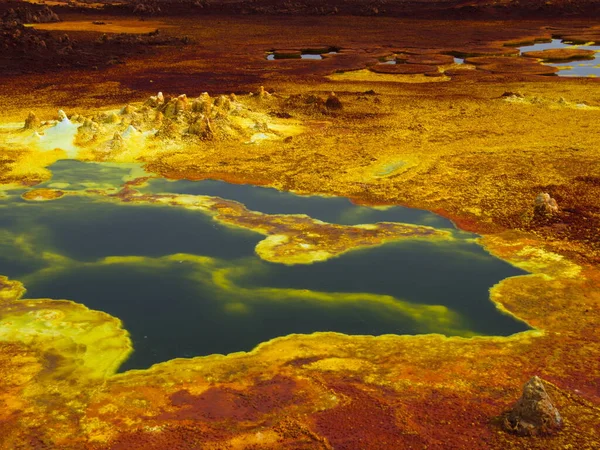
[533, 414]
[333, 102]
[29, 14]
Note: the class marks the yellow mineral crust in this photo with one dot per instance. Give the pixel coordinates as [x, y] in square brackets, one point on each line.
[24, 167]
[93, 341]
[143, 130]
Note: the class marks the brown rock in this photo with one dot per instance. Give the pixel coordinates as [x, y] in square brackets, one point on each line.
[203, 104]
[182, 103]
[155, 100]
[545, 205]
[533, 414]
[32, 122]
[333, 102]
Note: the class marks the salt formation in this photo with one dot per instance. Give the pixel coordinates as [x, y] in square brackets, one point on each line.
[61, 135]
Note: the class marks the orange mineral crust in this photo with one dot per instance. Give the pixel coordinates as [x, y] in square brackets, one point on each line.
[500, 145]
[43, 194]
[561, 54]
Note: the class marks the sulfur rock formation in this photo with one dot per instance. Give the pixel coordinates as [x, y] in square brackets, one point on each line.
[533, 414]
[162, 123]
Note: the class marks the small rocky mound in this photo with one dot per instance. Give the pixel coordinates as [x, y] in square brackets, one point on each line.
[533, 414]
[512, 95]
[545, 205]
[333, 102]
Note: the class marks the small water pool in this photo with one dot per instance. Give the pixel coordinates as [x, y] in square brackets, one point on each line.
[585, 68]
[311, 55]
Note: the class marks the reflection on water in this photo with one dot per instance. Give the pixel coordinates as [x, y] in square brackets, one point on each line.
[185, 285]
[337, 210]
[271, 56]
[539, 46]
[75, 175]
[585, 68]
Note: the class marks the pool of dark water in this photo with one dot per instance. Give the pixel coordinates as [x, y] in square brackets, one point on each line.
[197, 287]
[272, 57]
[585, 68]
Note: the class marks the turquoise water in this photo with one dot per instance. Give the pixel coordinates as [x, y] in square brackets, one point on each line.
[197, 287]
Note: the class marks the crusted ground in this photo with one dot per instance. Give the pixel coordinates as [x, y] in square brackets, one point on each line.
[478, 145]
